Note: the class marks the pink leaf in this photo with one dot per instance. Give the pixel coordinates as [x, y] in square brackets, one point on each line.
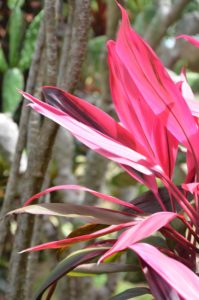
[130, 105]
[140, 231]
[78, 239]
[177, 275]
[82, 188]
[156, 87]
[94, 139]
[188, 38]
[188, 94]
[191, 187]
[160, 289]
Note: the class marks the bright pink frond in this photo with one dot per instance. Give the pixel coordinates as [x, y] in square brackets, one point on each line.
[140, 231]
[177, 275]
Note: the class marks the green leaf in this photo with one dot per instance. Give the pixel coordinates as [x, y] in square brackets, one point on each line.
[12, 80]
[68, 264]
[131, 293]
[3, 62]
[94, 269]
[16, 23]
[29, 42]
[15, 3]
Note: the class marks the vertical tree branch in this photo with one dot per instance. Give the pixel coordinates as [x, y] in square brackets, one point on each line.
[65, 51]
[39, 155]
[167, 14]
[40, 150]
[14, 172]
[78, 42]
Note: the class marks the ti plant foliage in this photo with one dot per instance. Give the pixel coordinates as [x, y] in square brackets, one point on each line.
[156, 116]
[20, 49]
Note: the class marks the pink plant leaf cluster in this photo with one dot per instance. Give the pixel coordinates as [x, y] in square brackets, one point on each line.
[155, 116]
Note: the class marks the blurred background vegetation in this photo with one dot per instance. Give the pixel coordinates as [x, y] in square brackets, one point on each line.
[158, 21]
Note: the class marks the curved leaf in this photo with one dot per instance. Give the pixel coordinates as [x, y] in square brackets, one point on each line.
[93, 138]
[94, 268]
[92, 213]
[156, 87]
[189, 38]
[68, 264]
[159, 288]
[84, 189]
[131, 293]
[77, 239]
[140, 231]
[177, 275]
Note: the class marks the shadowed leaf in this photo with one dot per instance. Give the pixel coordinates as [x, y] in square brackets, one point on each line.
[131, 293]
[68, 264]
[177, 275]
[91, 213]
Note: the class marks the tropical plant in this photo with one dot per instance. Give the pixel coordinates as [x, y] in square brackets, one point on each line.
[156, 117]
[20, 50]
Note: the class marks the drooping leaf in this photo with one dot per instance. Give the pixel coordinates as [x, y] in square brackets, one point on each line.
[159, 288]
[68, 264]
[190, 39]
[131, 293]
[140, 231]
[177, 275]
[84, 189]
[95, 139]
[70, 241]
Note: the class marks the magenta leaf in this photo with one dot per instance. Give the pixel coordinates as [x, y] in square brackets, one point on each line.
[78, 239]
[94, 139]
[140, 231]
[130, 105]
[156, 87]
[159, 287]
[177, 276]
[84, 189]
[191, 187]
[188, 38]
[87, 114]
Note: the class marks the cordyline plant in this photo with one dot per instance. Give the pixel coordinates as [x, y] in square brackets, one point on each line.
[156, 116]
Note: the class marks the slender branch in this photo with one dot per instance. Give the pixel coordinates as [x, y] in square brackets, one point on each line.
[39, 155]
[78, 42]
[32, 263]
[14, 172]
[41, 148]
[65, 51]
